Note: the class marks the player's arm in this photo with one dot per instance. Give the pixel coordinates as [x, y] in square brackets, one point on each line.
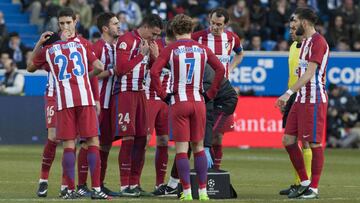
[239, 54]
[98, 67]
[155, 73]
[123, 62]
[217, 66]
[30, 66]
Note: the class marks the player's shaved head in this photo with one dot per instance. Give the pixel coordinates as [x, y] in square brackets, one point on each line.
[182, 24]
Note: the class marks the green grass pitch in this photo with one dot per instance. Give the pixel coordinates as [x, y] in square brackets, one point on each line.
[257, 175]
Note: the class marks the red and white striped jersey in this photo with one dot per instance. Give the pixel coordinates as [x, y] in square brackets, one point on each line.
[50, 86]
[313, 49]
[105, 52]
[68, 61]
[164, 77]
[222, 45]
[187, 59]
[130, 65]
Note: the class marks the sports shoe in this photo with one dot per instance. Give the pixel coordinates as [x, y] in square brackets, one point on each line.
[299, 191]
[164, 190]
[185, 197]
[71, 195]
[203, 197]
[142, 192]
[99, 195]
[43, 188]
[127, 192]
[287, 191]
[63, 192]
[108, 191]
[309, 194]
[83, 191]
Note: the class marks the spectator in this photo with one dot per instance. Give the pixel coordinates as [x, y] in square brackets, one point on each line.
[195, 8]
[13, 81]
[239, 13]
[16, 50]
[343, 113]
[342, 44]
[351, 16]
[278, 18]
[356, 43]
[132, 10]
[3, 30]
[258, 16]
[255, 43]
[95, 37]
[81, 30]
[35, 8]
[101, 6]
[123, 24]
[160, 8]
[282, 45]
[336, 30]
[84, 10]
[4, 56]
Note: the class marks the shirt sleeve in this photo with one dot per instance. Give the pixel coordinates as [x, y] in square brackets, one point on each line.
[90, 54]
[123, 62]
[238, 48]
[317, 51]
[94, 82]
[40, 60]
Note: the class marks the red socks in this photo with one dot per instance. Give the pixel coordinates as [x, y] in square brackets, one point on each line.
[82, 166]
[104, 159]
[124, 159]
[316, 165]
[297, 160]
[161, 160]
[93, 157]
[138, 160]
[217, 156]
[48, 158]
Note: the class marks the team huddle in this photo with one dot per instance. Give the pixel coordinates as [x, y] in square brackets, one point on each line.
[124, 87]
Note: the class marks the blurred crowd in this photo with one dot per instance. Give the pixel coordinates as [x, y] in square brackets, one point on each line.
[343, 121]
[261, 24]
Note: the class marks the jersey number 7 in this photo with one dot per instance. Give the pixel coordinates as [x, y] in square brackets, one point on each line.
[191, 62]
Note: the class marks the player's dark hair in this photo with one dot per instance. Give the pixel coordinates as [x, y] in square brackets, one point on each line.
[152, 20]
[103, 20]
[66, 12]
[306, 14]
[220, 12]
[169, 30]
[182, 24]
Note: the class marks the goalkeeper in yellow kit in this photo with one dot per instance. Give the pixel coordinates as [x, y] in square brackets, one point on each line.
[293, 76]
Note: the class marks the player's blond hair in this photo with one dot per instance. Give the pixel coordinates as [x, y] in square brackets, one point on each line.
[182, 24]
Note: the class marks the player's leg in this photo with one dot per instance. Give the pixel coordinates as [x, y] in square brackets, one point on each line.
[88, 127]
[292, 130]
[180, 120]
[106, 138]
[82, 169]
[197, 132]
[67, 131]
[307, 154]
[139, 148]
[162, 139]
[50, 146]
[314, 131]
[217, 149]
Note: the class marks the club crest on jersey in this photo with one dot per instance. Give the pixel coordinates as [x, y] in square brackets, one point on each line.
[123, 45]
[123, 128]
[227, 46]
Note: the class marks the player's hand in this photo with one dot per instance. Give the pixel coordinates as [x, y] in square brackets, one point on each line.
[154, 49]
[44, 36]
[281, 101]
[210, 162]
[65, 35]
[144, 47]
